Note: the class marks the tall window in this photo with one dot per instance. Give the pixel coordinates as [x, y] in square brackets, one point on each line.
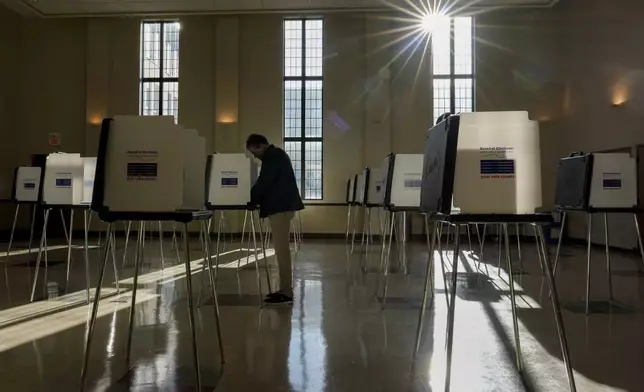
[303, 42]
[159, 76]
[453, 65]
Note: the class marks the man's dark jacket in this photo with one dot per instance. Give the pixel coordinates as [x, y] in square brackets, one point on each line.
[276, 189]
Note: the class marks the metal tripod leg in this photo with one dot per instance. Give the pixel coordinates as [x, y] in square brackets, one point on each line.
[516, 226]
[387, 257]
[589, 217]
[69, 244]
[86, 251]
[242, 238]
[259, 285]
[346, 235]
[539, 249]
[561, 234]
[353, 236]
[161, 246]
[6, 262]
[639, 240]
[31, 237]
[609, 270]
[127, 240]
[213, 288]
[138, 260]
[43, 237]
[89, 335]
[554, 298]
[261, 236]
[384, 227]
[429, 281]
[116, 271]
[515, 320]
[191, 312]
[452, 310]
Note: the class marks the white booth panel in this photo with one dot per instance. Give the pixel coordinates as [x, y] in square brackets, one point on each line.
[498, 164]
[144, 168]
[231, 178]
[375, 187]
[194, 169]
[614, 181]
[27, 184]
[63, 182]
[352, 189]
[384, 173]
[89, 171]
[406, 180]
[360, 188]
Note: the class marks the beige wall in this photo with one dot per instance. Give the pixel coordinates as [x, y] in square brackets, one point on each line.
[231, 85]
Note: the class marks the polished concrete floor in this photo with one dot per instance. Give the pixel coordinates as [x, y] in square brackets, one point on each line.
[334, 338]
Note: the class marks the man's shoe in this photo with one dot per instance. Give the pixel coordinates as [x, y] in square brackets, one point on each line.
[278, 299]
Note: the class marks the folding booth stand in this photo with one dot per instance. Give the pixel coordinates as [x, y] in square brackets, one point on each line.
[597, 183]
[27, 190]
[495, 157]
[231, 177]
[350, 197]
[142, 175]
[401, 194]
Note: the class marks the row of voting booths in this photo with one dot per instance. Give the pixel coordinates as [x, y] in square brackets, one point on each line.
[477, 168]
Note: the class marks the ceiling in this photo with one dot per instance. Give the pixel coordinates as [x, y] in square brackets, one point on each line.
[68, 8]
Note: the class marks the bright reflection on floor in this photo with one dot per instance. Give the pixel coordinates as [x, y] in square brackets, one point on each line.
[22, 333]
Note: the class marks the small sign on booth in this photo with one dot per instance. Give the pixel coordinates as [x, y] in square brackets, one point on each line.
[54, 139]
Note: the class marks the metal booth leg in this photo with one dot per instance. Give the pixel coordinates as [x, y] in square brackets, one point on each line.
[259, 284]
[69, 244]
[242, 239]
[561, 233]
[384, 226]
[31, 237]
[452, 310]
[540, 250]
[89, 335]
[589, 217]
[353, 225]
[116, 271]
[608, 266]
[515, 320]
[191, 312]
[208, 260]
[556, 309]
[261, 236]
[639, 240]
[519, 248]
[429, 281]
[43, 236]
[387, 257]
[6, 262]
[161, 246]
[138, 260]
[86, 251]
[127, 240]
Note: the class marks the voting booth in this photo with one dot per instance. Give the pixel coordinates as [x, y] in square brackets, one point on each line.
[89, 171]
[484, 167]
[402, 181]
[485, 163]
[63, 180]
[231, 177]
[603, 183]
[149, 169]
[373, 187]
[27, 182]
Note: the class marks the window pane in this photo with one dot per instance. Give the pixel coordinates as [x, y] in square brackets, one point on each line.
[463, 92]
[150, 99]
[171, 99]
[292, 108]
[313, 108]
[151, 49]
[442, 97]
[293, 48]
[463, 46]
[171, 50]
[314, 42]
[294, 151]
[441, 46]
[313, 171]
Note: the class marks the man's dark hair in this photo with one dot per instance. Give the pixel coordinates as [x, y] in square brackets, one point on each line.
[256, 140]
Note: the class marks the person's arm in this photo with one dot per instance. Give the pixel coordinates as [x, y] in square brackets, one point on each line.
[265, 181]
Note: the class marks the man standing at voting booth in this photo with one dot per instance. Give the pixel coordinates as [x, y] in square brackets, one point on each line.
[278, 197]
